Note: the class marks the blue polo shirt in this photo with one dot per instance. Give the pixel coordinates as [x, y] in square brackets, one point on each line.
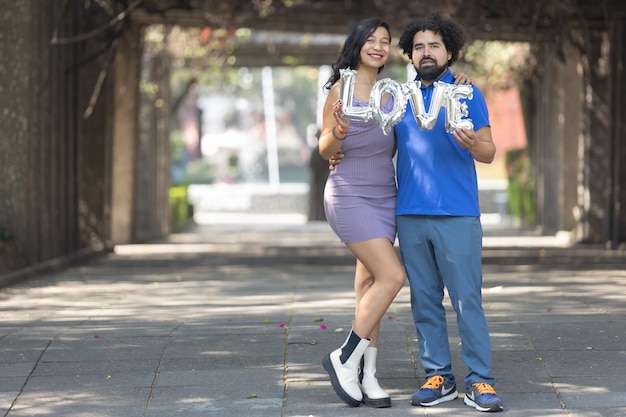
[435, 175]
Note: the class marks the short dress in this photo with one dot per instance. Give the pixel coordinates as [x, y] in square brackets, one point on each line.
[360, 193]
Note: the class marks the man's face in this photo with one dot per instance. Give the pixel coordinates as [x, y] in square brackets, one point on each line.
[430, 56]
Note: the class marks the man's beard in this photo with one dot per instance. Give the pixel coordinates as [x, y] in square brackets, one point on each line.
[432, 72]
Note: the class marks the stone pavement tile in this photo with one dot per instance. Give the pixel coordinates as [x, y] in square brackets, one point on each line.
[19, 369]
[119, 330]
[96, 367]
[56, 402]
[584, 395]
[224, 393]
[589, 332]
[588, 363]
[534, 404]
[508, 336]
[224, 351]
[104, 382]
[519, 372]
[7, 396]
[591, 385]
[598, 412]
[23, 347]
[608, 412]
[72, 350]
[226, 384]
[11, 383]
[198, 401]
[225, 327]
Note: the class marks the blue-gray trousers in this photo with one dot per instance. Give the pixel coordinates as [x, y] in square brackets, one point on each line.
[438, 252]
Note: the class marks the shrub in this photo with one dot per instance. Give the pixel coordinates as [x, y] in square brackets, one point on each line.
[180, 210]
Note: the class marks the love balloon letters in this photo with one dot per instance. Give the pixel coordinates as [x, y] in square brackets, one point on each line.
[444, 95]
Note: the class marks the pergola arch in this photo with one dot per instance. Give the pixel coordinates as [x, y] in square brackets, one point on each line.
[78, 177]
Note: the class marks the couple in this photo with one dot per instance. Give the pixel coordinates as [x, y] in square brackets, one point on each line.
[435, 207]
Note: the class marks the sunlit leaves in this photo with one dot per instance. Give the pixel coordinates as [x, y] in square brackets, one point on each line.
[193, 53]
[495, 64]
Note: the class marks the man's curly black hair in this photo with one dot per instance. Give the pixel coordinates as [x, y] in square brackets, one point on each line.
[450, 32]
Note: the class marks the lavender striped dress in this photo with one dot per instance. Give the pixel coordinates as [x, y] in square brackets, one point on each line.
[360, 194]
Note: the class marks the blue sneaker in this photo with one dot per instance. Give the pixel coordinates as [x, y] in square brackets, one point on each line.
[434, 391]
[482, 397]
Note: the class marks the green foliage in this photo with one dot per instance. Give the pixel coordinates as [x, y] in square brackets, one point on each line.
[521, 186]
[233, 160]
[180, 210]
[177, 148]
[495, 64]
[199, 172]
[199, 54]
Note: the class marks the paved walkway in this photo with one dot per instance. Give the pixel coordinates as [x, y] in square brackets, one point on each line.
[232, 320]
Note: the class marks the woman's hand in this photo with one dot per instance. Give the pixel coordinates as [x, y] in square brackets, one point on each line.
[343, 124]
[461, 78]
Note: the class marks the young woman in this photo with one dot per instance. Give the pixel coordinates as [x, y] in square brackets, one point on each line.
[359, 200]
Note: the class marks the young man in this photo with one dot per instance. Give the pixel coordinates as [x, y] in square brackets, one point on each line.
[438, 220]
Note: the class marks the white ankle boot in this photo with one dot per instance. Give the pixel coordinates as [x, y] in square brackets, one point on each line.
[373, 395]
[343, 367]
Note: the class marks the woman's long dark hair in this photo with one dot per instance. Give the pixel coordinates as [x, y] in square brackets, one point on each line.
[350, 55]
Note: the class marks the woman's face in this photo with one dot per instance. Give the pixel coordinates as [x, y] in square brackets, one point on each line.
[375, 50]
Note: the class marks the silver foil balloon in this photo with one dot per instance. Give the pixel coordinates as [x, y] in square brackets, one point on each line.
[455, 110]
[346, 94]
[426, 119]
[387, 120]
[443, 94]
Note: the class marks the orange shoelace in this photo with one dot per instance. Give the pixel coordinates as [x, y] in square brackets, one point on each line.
[434, 382]
[484, 388]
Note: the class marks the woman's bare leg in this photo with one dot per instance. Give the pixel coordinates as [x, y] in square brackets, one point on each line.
[375, 295]
[363, 281]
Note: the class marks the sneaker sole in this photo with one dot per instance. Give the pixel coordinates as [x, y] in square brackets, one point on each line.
[336, 385]
[449, 397]
[493, 409]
